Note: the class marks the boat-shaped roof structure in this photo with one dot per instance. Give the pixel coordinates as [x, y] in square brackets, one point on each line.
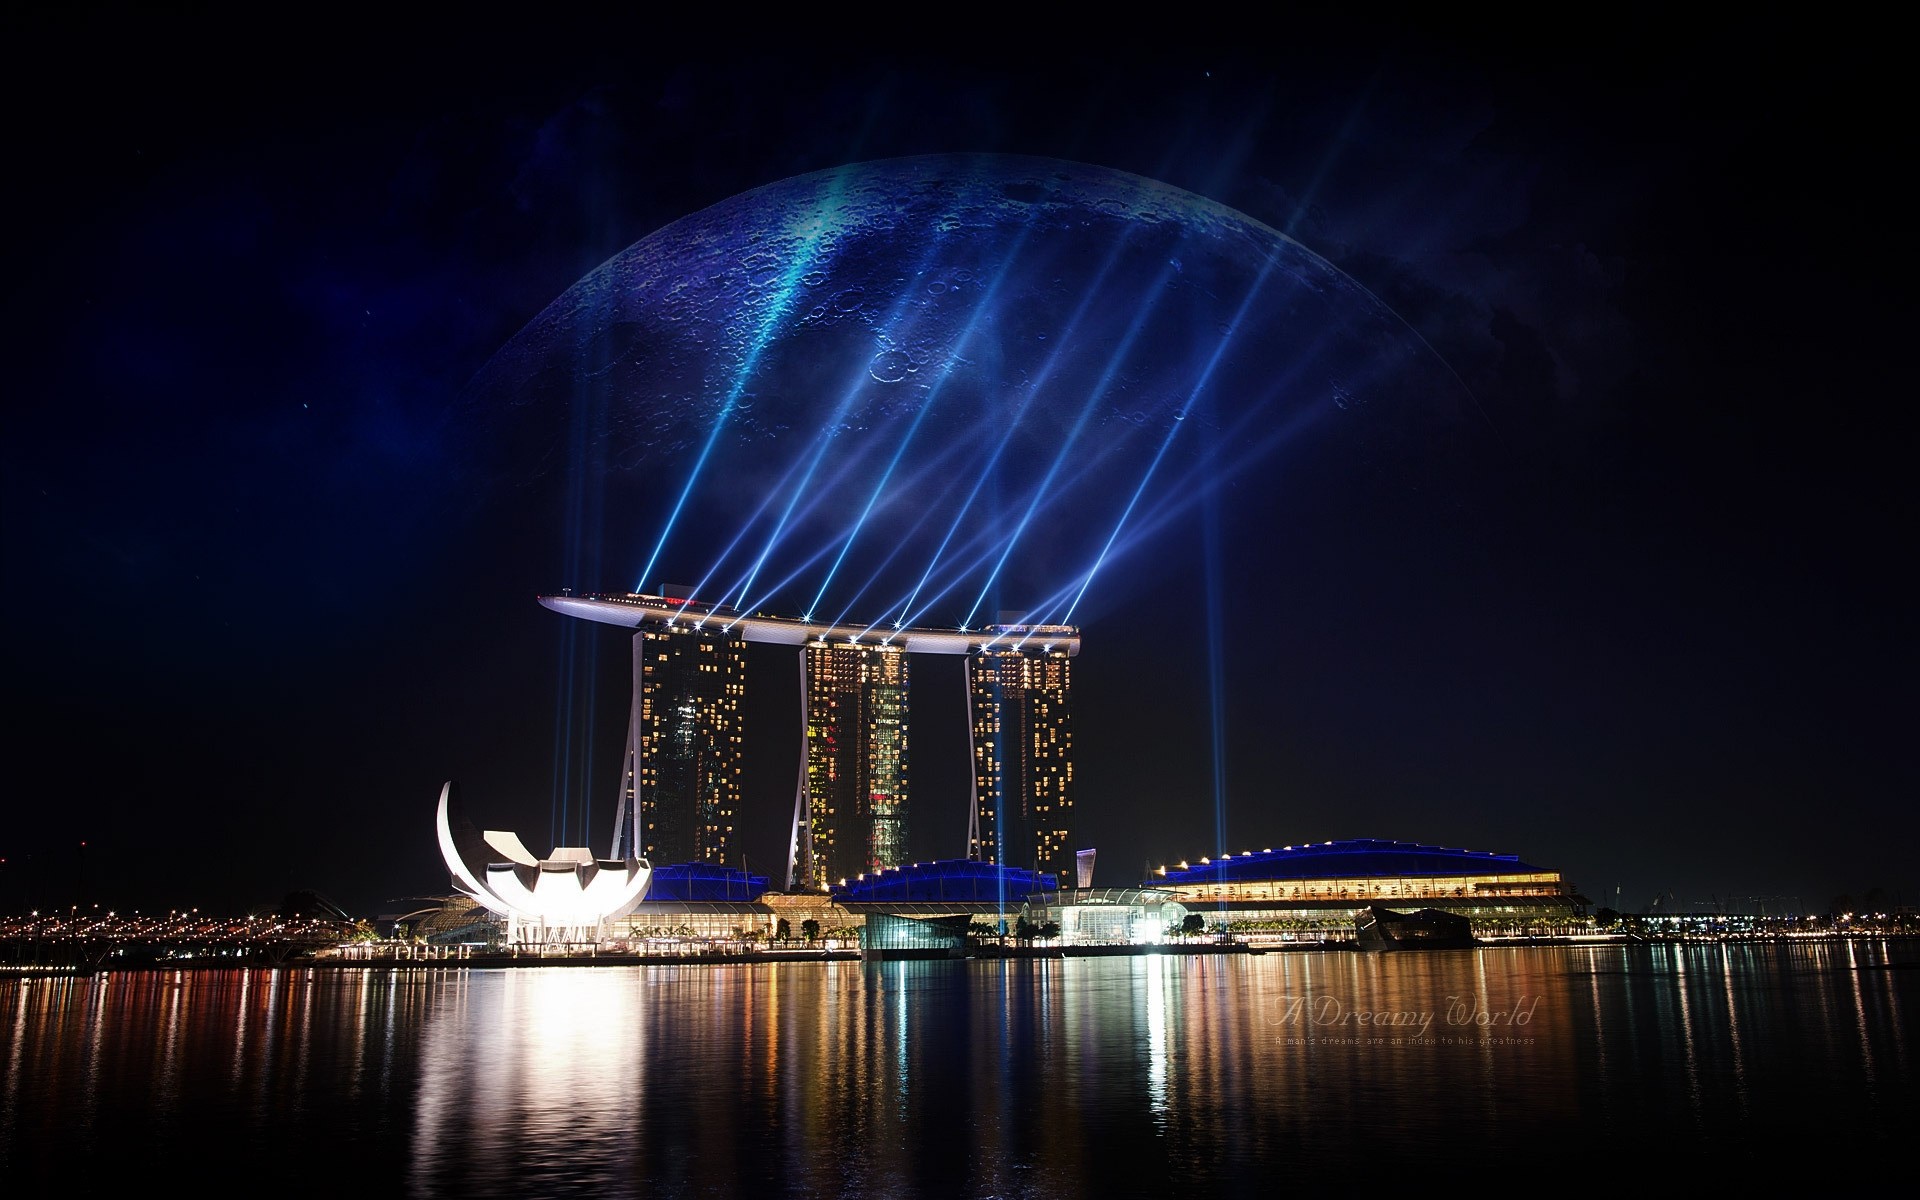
[634, 609]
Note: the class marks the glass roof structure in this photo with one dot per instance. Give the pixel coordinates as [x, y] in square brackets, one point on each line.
[961, 880]
[689, 882]
[1355, 859]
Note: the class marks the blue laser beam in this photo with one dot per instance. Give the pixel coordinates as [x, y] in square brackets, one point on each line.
[766, 500]
[847, 467]
[1216, 666]
[1032, 391]
[1173, 431]
[856, 384]
[986, 304]
[1090, 468]
[1094, 396]
[798, 570]
[773, 315]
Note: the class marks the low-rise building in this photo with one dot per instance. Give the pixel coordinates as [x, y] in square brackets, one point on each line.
[1317, 889]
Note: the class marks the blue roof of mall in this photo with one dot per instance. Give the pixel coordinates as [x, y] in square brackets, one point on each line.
[961, 880]
[1357, 858]
[689, 882]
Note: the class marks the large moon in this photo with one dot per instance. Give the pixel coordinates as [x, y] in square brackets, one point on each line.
[934, 388]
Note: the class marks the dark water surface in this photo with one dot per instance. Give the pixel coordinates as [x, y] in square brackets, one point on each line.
[1529, 1068]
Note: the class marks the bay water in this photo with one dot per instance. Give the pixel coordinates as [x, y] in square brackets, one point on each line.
[1573, 1067]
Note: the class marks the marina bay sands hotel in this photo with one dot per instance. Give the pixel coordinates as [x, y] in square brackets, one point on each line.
[685, 739]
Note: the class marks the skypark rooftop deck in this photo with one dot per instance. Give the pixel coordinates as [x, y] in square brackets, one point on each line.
[633, 609]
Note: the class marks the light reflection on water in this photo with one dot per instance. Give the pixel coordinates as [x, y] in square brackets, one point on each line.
[1096, 1077]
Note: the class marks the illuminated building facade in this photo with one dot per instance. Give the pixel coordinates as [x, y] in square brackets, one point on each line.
[850, 807]
[569, 896]
[680, 777]
[856, 766]
[1327, 882]
[1019, 689]
[993, 895]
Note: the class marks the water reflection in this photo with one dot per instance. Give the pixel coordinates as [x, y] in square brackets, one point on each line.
[538, 1066]
[1156, 984]
[1090, 1077]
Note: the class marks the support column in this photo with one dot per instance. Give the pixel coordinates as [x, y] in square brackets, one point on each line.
[800, 866]
[973, 768]
[626, 811]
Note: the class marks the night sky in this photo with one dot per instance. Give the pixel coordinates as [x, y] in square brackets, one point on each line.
[260, 606]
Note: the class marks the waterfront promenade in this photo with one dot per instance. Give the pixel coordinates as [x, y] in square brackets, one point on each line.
[75, 941]
[74, 958]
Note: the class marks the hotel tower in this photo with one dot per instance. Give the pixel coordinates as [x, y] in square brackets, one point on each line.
[1019, 690]
[680, 777]
[856, 766]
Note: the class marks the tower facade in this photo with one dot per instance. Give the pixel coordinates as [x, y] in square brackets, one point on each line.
[1019, 692]
[852, 814]
[680, 782]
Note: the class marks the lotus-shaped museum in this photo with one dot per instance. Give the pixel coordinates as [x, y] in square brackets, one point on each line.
[568, 896]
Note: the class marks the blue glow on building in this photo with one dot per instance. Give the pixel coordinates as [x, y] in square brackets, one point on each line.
[687, 882]
[956, 880]
[1359, 858]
